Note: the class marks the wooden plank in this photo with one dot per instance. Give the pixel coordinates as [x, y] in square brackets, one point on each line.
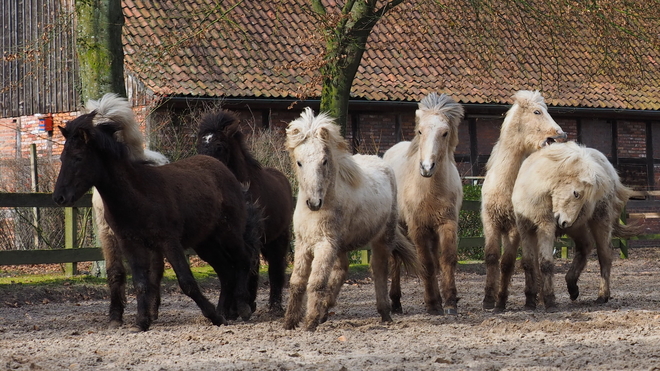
[466, 242]
[56, 256]
[38, 200]
[471, 205]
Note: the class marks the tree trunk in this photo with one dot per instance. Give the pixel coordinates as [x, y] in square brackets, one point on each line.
[99, 47]
[346, 42]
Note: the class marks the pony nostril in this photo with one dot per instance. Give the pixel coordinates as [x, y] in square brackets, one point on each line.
[432, 166]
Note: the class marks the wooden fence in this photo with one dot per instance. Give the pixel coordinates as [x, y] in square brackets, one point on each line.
[70, 255]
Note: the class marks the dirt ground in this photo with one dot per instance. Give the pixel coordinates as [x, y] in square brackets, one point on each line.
[66, 329]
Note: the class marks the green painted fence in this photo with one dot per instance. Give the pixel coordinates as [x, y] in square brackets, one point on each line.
[71, 255]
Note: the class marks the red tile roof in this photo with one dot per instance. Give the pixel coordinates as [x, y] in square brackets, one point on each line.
[262, 50]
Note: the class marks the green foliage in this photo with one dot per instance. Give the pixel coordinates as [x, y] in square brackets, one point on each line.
[470, 224]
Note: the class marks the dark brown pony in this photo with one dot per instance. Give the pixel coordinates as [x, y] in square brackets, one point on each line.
[220, 136]
[196, 202]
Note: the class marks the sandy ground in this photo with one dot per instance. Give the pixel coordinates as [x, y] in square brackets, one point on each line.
[622, 334]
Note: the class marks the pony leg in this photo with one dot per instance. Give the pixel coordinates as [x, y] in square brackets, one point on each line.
[174, 254]
[530, 265]
[583, 247]
[602, 233]
[425, 242]
[116, 273]
[138, 258]
[302, 267]
[379, 267]
[319, 293]
[395, 288]
[492, 254]
[336, 281]
[275, 253]
[448, 233]
[510, 244]
[545, 243]
[156, 268]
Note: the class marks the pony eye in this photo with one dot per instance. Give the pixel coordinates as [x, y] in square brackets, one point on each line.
[325, 161]
[445, 134]
[576, 194]
[299, 164]
[537, 112]
[419, 132]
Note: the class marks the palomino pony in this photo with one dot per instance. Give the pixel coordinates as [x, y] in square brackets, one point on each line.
[568, 189]
[220, 137]
[196, 202]
[430, 195]
[111, 107]
[344, 203]
[527, 127]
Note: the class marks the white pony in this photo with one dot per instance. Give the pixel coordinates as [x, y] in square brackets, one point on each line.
[569, 189]
[111, 107]
[527, 127]
[344, 203]
[430, 197]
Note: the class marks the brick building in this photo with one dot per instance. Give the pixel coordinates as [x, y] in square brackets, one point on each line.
[179, 54]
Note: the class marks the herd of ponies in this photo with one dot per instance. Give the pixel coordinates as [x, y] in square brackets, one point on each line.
[231, 210]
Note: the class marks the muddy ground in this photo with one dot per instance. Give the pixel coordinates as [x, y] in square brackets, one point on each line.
[65, 329]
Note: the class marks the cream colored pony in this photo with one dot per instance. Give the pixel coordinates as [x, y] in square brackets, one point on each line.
[527, 127]
[567, 189]
[111, 107]
[344, 203]
[430, 197]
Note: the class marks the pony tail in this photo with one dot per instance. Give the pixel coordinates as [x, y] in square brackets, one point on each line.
[115, 108]
[405, 252]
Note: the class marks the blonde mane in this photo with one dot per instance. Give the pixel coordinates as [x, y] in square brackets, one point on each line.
[323, 128]
[112, 107]
[571, 160]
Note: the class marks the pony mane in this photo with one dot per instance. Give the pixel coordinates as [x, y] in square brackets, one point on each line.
[442, 105]
[112, 107]
[571, 159]
[322, 127]
[217, 121]
[527, 98]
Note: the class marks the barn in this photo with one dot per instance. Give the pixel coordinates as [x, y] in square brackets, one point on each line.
[259, 59]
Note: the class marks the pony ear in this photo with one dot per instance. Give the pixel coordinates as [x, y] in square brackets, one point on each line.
[109, 128]
[65, 133]
[323, 133]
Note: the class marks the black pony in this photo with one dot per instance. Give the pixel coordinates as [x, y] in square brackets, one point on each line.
[159, 211]
[220, 136]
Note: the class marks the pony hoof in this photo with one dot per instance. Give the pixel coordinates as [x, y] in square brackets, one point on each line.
[245, 311]
[499, 310]
[397, 309]
[136, 329]
[435, 311]
[552, 309]
[451, 311]
[529, 307]
[602, 300]
[386, 318]
[488, 304]
[115, 324]
[276, 310]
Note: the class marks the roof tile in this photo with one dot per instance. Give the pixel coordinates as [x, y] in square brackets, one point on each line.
[411, 51]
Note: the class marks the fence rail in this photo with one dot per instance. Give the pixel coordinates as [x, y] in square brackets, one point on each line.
[72, 255]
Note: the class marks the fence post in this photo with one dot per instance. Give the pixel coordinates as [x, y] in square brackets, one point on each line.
[70, 237]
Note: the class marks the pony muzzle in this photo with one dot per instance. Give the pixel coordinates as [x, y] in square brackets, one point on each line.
[426, 169]
[314, 205]
[562, 222]
[560, 137]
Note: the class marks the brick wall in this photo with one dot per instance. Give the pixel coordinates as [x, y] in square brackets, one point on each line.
[631, 139]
